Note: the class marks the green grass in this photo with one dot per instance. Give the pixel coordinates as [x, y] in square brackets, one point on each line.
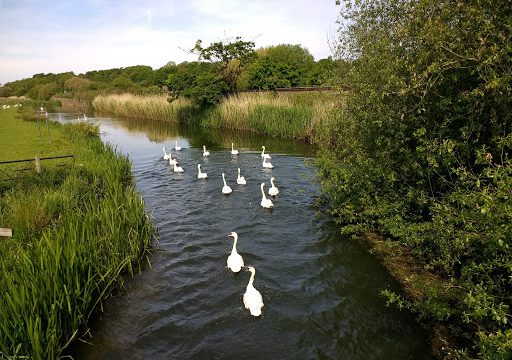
[21, 140]
[77, 229]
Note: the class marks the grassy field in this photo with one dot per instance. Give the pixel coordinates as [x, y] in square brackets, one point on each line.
[78, 228]
[21, 139]
[290, 115]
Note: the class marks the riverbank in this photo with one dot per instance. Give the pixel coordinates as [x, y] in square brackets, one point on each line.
[290, 115]
[78, 228]
[419, 286]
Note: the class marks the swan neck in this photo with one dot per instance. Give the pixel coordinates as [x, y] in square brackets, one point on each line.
[224, 179]
[251, 280]
[262, 191]
[272, 182]
[235, 239]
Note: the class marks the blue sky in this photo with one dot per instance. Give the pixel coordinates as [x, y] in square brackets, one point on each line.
[42, 36]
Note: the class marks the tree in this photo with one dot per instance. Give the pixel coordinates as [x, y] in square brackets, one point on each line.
[421, 150]
[230, 57]
[266, 74]
[140, 74]
[46, 91]
[5, 91]
[121, 84]
[77, 84]
[199, 82]
[161, 75]
[282, 65]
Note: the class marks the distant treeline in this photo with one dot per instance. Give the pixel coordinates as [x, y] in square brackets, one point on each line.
[280, 66]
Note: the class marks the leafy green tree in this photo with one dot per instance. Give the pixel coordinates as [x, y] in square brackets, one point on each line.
[46, 91]
[139, 74]
[266, 74]
[230, 57]
[77, 84]
[421, 150]
[160, 75]
[280, 66]
[199, 82]
[121, 84]
[5, 91]
[326, 72]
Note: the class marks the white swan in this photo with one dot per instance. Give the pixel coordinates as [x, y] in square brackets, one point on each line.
[166, 156]
[200, 174]
[205, 152]
[172, 161]
[233, 151]
[273, 191]
[177, 169]
[225, 189]
[266, 203]
[263, 155]
[266, 164]
[252, 297]
[85, 117]
[177, 148]
[240, 180]
[235, 260]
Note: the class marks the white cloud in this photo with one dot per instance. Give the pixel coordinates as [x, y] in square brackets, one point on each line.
[82, 36]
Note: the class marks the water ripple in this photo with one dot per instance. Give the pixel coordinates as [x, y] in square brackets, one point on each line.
[320, 289]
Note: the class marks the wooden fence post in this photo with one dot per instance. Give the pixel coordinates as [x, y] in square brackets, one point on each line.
[5, 232]
[38, 165]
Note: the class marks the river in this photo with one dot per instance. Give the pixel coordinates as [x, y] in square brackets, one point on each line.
[320, 289]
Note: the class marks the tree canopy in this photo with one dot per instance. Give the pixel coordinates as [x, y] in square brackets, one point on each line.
[229, 56]
[420, 151]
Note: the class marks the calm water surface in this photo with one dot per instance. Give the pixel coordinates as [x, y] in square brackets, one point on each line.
[321, 290]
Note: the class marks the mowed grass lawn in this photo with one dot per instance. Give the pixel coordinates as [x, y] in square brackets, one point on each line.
[20, 139]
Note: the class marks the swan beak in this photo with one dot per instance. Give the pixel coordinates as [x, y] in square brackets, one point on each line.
[230, 235]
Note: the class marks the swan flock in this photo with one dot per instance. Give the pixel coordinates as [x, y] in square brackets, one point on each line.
[252, 299]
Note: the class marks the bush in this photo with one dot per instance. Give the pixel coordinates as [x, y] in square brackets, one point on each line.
[420, 152]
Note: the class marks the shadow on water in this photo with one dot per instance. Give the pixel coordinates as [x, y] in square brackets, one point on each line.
[321, 290]
[347, 318]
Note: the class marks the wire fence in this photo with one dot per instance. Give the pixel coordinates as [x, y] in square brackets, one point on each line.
[9, 173]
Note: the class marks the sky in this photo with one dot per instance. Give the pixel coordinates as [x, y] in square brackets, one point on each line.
[43, 36]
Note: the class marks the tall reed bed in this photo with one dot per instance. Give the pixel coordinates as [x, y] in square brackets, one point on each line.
[290, 115]
[77, 231]
[142, 106]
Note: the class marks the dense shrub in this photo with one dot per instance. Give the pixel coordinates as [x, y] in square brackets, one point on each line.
[420, 151]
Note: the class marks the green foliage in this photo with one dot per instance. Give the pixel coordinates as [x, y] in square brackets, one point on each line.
[199, 82]
[420, 151]
[77, 84]
[265, 75]
[40, 86]
[5, 91]
[84, 229]
[282, 65]
[229, 57]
